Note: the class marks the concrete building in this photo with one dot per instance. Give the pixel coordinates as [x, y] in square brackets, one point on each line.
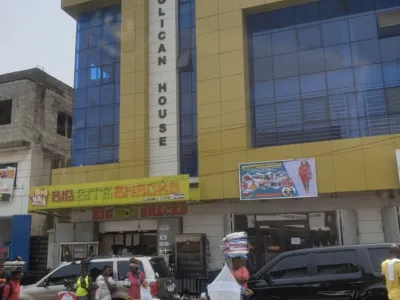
[35, 134]
[282, 115]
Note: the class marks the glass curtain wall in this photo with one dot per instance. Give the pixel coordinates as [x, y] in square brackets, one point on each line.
[321, 71]
[95, 138]
[188, 87]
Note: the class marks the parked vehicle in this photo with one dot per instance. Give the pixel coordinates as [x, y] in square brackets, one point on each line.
[342, 272]
[159, 276]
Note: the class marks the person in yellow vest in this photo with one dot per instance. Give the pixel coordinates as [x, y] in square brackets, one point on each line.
[391, 273]
[84, 285]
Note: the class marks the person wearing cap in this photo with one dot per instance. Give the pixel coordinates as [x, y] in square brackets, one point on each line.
[12, 290]
[136, 279]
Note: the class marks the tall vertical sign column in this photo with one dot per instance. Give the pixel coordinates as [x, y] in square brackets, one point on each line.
[163, 92]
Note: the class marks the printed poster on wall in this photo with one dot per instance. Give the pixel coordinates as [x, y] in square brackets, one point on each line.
[278, 179]
[7, 179]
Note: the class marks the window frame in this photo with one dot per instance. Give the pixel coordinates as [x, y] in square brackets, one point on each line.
[279, 260]
[6, 105]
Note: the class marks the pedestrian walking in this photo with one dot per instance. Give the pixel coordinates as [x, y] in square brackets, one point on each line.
[136, 279]
[391, 273]
[106, 285]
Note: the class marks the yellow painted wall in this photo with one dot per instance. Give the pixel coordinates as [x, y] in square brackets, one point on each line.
[223, 115]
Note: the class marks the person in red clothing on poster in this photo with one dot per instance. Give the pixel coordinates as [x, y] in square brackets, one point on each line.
[305, 175]
[12, 289]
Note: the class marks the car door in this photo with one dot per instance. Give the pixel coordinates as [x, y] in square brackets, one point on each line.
[50, 286]
[288, 279]
[337, 275]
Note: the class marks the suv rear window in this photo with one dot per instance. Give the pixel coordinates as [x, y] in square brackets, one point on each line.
[160, 267]
[377, 256]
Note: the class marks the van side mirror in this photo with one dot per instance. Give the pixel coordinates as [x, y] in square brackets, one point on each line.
[267, 277]
[45, 282]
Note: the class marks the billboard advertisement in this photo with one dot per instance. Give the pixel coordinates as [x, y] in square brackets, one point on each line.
[7, 180]
[278, 179]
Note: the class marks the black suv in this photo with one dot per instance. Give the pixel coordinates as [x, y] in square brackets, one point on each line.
[343, 272]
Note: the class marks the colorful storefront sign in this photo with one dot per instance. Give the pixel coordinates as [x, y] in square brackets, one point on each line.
[154, 211]
[111, 193]
[278, 179]
[7, 180]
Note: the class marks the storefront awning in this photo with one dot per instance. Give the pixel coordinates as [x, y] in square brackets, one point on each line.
[110, 193]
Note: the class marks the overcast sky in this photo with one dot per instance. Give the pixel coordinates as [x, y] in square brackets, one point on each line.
[37, 32]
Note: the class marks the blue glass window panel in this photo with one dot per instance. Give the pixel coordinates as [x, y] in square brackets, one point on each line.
[288, 114]
[185, 84]
[262, 46]
[117, 71]
[360, 6]
[343, 106]
[365, 52]
[192, 14]
[340, 81]
[187, 125]
[96, 18]
[116, 113]
[368, 77]
[194, 82]
[307, 13]
[117, 52]
[94, 57]
[338, 57]
[283, 18]
[265, 116]
[333, 8]
[184, 16]
[384, 4]
[78, 139]
[95, 37]
[257, 23]
[107, 54]
[106, 114]
[81, 59]
[263, 92]
[336, 32]
[311, 61]
[390, 48]
[392, 96]
[363, 27]
[186, 103]
[118, 15]
[394, 123]
[373, 126]
[315, 109]
[193, 39]
[106, 136]
[313, 85]
[185, 39]
[106, 155]
[94, 76]
[117, 86]
[108, 34]
[92, 137]
[349, 128]
[287, 89]
[309, 37]
[371, 103]
[116, 135]
[78, 158]
[194, 60]
[284, 66]
[263, 69]
[109, 15]
[116, 154]
[93, 96]
[81, 78]
[108, 73]
[79, 119]
[80, 98]
[82, 40]
[107, 94]
[284, 42]
[83, 21]
[391, 74]
[92, 116]
[92, 156]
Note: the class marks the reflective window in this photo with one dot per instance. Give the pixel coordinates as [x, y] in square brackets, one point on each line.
[96, 94]
[337, 262]
[188, 85]
[322, 71]
[293, 266]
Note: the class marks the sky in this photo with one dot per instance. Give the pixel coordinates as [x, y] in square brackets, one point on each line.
[37, 33]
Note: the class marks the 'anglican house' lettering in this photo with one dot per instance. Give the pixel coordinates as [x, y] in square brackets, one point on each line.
[162, 86]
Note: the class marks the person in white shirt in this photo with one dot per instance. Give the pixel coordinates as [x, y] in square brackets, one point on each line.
[106, 285]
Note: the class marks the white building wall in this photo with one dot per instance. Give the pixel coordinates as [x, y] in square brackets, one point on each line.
[213, 226]
[370, 225]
